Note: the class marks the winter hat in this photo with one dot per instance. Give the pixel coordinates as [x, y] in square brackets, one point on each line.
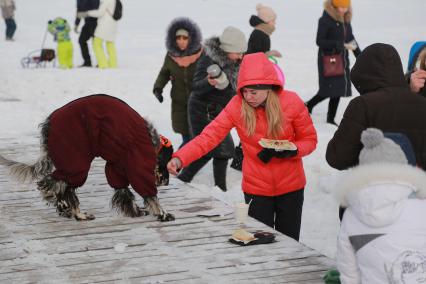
[233, 40]
[378, 148]
[341, 3]
[182, 32]
[265, 13]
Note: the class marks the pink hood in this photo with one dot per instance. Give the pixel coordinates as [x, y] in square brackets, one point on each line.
[257, 69]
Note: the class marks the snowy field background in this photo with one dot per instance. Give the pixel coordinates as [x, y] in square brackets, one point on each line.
[27, 96]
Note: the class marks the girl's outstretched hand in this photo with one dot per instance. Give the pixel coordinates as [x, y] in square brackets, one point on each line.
[174, 166]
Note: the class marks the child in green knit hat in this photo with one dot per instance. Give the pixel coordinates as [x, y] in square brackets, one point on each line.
[60, 29]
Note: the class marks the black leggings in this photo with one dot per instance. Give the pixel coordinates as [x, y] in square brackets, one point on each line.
[333, 103]
[283, 212]
[87, 33]
[219, 170]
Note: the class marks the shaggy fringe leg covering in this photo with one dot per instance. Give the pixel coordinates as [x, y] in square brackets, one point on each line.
[123, 201]
[49, 188]
[63, 197]
[153, 206]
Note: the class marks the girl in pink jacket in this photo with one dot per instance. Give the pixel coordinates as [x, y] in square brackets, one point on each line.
[273, 178]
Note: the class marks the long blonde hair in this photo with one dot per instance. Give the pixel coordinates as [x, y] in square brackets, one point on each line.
[422, 59]
[274, 116]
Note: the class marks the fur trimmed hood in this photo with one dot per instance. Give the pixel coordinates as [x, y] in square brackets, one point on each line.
[377, 192]
[332, 11]
[220, 57]
[195, 37]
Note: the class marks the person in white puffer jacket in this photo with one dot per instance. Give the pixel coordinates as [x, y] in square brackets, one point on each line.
[106, 30]
[382, 238]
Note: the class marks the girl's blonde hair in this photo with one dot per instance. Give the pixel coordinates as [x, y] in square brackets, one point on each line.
[422, 59]
[274, 116]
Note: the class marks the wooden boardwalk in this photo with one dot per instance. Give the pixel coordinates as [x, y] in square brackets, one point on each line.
[38, 246]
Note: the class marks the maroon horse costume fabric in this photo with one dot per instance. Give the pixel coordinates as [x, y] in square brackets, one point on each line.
[104, 126]
[99, 126]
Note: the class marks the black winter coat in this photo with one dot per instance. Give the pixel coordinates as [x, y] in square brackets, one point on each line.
[386, 103]
[258, 41]
[84, 6]
[331, 36]
[206, 102]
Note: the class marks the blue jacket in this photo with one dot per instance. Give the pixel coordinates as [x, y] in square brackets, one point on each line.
[404, 142]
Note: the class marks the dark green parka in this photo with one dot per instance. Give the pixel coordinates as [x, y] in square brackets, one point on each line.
[179, 67]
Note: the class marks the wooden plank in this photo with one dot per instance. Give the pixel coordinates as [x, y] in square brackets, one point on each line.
[39, 246]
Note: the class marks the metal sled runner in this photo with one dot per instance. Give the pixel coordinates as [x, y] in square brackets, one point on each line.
[39, 58]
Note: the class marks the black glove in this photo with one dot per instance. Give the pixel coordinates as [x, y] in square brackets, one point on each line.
[158, 95]
[266, 154]
[286, 153]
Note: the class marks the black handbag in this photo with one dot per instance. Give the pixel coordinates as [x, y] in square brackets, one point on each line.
[237, 161]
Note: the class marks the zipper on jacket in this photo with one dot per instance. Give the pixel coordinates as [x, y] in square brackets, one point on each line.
[344, 58]
[185, 80]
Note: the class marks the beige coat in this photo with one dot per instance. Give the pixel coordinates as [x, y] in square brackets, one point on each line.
[7, 8]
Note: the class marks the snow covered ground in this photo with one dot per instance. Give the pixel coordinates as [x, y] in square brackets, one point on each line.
[27, 96]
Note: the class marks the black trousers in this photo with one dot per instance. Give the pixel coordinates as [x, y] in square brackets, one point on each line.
[219, 171]
[333, 103]
[10, 27]
[283, 212]
[87, 32]
[341, 212]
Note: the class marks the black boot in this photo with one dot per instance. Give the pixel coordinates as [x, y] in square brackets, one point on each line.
[332, 122]
[313, 102]
[332, 110]
[219, 173]
[85, 64]
[190, 171]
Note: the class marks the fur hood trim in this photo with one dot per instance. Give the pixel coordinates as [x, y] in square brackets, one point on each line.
[220, 57]
[362, 176]
[332, 11]
[195, 37]
[267, 29]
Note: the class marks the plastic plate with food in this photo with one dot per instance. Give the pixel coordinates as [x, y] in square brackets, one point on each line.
[243, 238]
[279, 145]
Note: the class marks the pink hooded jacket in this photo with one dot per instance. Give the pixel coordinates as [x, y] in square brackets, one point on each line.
[280, 175]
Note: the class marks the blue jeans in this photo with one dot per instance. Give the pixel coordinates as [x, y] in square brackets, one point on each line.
[10, 28]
